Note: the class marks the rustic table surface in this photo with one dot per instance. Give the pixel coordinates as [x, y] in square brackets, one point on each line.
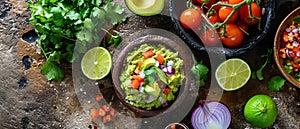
[27, 100]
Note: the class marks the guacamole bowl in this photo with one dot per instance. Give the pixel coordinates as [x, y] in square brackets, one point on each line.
[165, 84]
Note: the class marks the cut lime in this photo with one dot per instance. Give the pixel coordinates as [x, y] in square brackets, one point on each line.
[233, 74]
[96, 63]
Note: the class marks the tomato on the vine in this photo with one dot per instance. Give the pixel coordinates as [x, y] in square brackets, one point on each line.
[214, 18]
[209, 37]
[235, 1]
[225, 11]
[208, 3]
[245, 16]
[233, 36]
[190, 18]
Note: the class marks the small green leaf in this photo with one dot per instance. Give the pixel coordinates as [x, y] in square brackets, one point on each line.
[161, 75]
[52, 71]
[73, 15]
[55, 57]
[98, 13]
[296, 20]
[80, 2]
[276, 83]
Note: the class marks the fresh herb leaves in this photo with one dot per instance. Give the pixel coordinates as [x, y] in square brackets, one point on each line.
[62, 23]
[52, 71]
[201, 71]
[151, 75]
[276, 83]
[258, 74]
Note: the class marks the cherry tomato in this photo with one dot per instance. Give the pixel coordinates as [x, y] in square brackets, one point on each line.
[243, 26]
[245, 16]
[233, 36]
[235, 1]
[217, 8]
[209, 37]
[207, 4]
[214, 18]
[190, 18]
[225, 11]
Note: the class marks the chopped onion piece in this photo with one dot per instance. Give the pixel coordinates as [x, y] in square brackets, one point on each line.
[142, 74]
[141, 89]
[288, 30]
[162, 100]
[166, 104]
[295, 44]
[169, 69]
[295, 30]
[156, 63]
[165, 70]
[161, 66]
[170, 63]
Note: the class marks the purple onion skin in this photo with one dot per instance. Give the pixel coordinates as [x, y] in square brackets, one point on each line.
[211, 111]
[171, 72]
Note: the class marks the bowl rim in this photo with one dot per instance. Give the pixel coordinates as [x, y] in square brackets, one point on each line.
[277, 41]
[231, 52]
[171, 44]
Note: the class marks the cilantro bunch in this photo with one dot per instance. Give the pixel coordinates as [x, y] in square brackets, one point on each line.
[62, 23]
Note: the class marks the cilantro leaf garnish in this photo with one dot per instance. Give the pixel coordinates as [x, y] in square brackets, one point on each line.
[276, 83]
[258, 74]
[52, 71]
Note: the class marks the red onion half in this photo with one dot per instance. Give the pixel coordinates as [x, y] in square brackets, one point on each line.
[211, 115]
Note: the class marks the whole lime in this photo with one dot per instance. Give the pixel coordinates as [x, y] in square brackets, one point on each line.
[260, 111]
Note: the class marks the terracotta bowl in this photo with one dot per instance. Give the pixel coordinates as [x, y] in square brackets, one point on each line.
[277, 41]
[157, 37]
[176, 7]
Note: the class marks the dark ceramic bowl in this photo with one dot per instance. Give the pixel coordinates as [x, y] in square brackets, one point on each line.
[175, 45]
[277, 41]
[191, 38]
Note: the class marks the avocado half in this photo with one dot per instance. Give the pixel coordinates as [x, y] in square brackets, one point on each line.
[145, 7]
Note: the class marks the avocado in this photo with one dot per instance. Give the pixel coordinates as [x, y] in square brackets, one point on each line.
[148, 63]
[145, 7]
[153, 89]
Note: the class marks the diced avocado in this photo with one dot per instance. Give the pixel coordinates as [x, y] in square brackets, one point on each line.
[148, 63]
[153, 89]
[145, 7]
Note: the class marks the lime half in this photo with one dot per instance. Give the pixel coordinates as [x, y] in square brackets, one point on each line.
[96, 63]
[233, 74]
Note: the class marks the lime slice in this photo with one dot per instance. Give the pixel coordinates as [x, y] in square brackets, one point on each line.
[233, 74]
[96, 63]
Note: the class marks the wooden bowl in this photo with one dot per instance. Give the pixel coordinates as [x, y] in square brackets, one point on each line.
[277, 41]
[176, 7]
[155, 37]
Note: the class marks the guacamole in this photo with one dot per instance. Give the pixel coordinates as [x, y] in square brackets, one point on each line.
[151, 77]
